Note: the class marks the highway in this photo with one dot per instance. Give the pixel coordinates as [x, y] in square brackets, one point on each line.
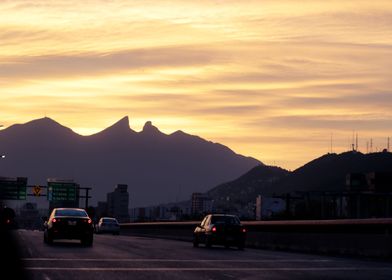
[129, 257]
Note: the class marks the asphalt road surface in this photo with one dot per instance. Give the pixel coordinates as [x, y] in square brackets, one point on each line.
[127, 257]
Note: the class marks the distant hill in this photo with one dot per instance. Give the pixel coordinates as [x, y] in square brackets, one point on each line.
[248, 186]
[327, 173]
[157, 167]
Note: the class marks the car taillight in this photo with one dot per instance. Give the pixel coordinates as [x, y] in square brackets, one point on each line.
[8, 221]
[89, 221]
[54, 220]
[244, 230]
[213, 229]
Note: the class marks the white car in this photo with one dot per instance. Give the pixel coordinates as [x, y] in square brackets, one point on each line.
[107, 224]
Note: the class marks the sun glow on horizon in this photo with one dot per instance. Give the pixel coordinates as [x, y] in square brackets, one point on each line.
[269, 79]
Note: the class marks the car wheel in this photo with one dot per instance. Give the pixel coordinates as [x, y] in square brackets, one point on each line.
[208, 242]
[49, 239]
[195, 241]
[87, 241]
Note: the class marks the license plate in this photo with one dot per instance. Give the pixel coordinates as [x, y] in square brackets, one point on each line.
[72, 223]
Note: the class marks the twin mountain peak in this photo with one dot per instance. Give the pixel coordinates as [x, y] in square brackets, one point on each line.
[158, 167]
[120, 128]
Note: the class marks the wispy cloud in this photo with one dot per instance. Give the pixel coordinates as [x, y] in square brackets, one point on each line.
[259, 76]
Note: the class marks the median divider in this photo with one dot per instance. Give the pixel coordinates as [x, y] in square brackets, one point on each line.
[364, 237]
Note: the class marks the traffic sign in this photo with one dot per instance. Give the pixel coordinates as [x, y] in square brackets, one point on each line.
[62, 191]
[37, 190]
[13, 188]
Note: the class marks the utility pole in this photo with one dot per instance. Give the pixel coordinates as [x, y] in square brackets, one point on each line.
[371, 145]
[2, 156]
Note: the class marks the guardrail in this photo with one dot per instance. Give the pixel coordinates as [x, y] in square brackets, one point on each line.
[365, 237]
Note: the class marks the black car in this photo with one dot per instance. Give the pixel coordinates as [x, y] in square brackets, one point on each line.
[69, 223]
[220, 229]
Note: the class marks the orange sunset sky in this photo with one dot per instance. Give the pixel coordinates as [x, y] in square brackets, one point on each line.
[270, 79]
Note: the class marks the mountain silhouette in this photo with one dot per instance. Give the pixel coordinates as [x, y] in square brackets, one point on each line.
[157, 167]
[246, 188]
[326, 173]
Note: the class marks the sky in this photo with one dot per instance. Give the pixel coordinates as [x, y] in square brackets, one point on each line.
[276, 80]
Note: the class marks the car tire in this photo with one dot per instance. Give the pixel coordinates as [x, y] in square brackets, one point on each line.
[49, 239]
[208, 242]
[195, 242]
[87, 241]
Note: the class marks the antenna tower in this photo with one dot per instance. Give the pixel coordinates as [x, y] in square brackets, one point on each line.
[352, 143]
[371, 145]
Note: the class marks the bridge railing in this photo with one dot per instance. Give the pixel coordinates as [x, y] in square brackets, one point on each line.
[364, 237]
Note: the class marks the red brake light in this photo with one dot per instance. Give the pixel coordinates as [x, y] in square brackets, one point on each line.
[54, 220]
[8, 221]
[213, 229]
[89, 221]
[244, 230]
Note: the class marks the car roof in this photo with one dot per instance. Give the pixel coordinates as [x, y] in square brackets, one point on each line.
[64, 208]
[223, 215]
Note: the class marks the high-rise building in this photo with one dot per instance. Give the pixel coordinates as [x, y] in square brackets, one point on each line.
[117, 203]
[201, 204]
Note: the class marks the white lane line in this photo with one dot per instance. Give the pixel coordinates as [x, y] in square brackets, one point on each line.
[211, 269]
[177, 260]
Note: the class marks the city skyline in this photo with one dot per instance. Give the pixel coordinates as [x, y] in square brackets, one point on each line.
[274, 80]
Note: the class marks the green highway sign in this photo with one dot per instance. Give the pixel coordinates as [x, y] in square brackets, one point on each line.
[13, 188]
[62, 191]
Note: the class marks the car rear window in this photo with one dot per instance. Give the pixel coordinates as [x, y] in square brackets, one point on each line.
[228, 220]
[70, 212]
[109, 221]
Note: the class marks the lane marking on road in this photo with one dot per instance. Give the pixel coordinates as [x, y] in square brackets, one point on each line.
[109, 269]
[178, 260]
[46, 277]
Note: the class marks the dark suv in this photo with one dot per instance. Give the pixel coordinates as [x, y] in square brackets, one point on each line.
[220, 229]
[69, 223]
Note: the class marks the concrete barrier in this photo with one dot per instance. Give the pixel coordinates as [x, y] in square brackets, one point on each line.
[365, 237]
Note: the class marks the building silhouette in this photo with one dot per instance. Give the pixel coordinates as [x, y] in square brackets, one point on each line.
[117, 203]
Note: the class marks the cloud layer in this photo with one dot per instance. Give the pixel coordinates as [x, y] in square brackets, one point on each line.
[270, 79]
